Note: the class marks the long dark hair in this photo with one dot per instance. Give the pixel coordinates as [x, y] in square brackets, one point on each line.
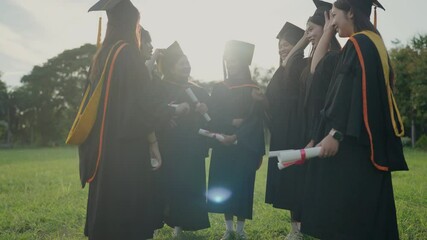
[334, 44]
[361, 21]
[122, 25]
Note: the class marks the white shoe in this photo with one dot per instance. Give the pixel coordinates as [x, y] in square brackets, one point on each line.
[241, 236]
[294, 235]
[177, 233]
[227, 235]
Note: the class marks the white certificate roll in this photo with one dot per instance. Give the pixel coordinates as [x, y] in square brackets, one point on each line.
[289, 157]
[193, 98]
[295, 155]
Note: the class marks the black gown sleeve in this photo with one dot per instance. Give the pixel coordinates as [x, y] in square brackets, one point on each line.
[321, 79]
[343, 106]
[140, 108]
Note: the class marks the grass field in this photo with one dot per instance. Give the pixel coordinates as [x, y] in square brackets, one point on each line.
[40, 198]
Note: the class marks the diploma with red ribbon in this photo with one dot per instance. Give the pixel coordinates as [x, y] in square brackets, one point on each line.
[294, 157]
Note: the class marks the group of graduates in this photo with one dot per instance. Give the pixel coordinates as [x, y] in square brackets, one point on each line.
[144, 158]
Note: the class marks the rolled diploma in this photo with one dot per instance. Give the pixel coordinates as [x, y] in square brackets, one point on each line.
[195, 100]
[289, 157]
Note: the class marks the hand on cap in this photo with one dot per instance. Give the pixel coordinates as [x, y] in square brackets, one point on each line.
[329, 27]
[157, 53]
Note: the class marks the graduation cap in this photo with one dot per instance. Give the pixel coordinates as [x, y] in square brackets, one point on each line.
[105, 5]
[241, 50]
[319, 15]
[365, 6]
[290, 33]
[121, 13]
[170, 56]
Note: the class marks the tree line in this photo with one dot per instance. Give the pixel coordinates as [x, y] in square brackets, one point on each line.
[41, 110]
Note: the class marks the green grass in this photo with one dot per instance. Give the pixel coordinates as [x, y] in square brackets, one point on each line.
[41, 198]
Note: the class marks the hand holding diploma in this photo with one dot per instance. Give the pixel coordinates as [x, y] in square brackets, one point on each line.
[294, 157]
[329, 146]
[181, 108]
[200, 109]
[228, 140]
[225, 139]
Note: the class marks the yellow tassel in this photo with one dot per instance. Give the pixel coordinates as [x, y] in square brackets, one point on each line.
[98, 40]
[375, 17]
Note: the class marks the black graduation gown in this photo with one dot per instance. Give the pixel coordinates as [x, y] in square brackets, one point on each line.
[232, 168]
[317, 85]
[120, 194]
[183, 150]
[351, 198]
[285, 94]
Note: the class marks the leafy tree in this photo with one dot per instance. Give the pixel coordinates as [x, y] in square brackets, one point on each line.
[263, 76]
[3, 99]
[410, 68]
[45, 105]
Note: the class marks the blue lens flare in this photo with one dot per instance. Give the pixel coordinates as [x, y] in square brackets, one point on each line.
[218, 194]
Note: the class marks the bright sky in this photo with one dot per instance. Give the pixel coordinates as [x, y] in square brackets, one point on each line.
[32, 31]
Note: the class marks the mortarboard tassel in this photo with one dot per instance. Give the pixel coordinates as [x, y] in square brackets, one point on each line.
[98, 40]
[375, 17]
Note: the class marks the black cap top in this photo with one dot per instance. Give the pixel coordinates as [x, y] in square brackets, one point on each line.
[290, 33]
[241, 50]
[174, 49]
[170, 57]
[319, 15]
[365, 6]
[105, 5]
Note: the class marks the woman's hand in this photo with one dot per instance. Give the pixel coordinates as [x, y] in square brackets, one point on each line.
[329, 147]
[310, 144]
[329, 28]
[201, 108]
[228, 139]
[156, 158]
[182, 108]
[157, 53]
[237, 122]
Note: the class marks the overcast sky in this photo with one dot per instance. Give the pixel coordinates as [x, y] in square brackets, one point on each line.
[32, 31]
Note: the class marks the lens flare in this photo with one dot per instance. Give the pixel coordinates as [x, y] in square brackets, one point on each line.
[218, 194]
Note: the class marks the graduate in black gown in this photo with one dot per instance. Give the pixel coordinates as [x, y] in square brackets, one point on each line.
[285, 116]
[115, 156]
[150, 57]
[157, 204]
[237, 113]
[359, 134]
[322, 63]
[183, 150]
